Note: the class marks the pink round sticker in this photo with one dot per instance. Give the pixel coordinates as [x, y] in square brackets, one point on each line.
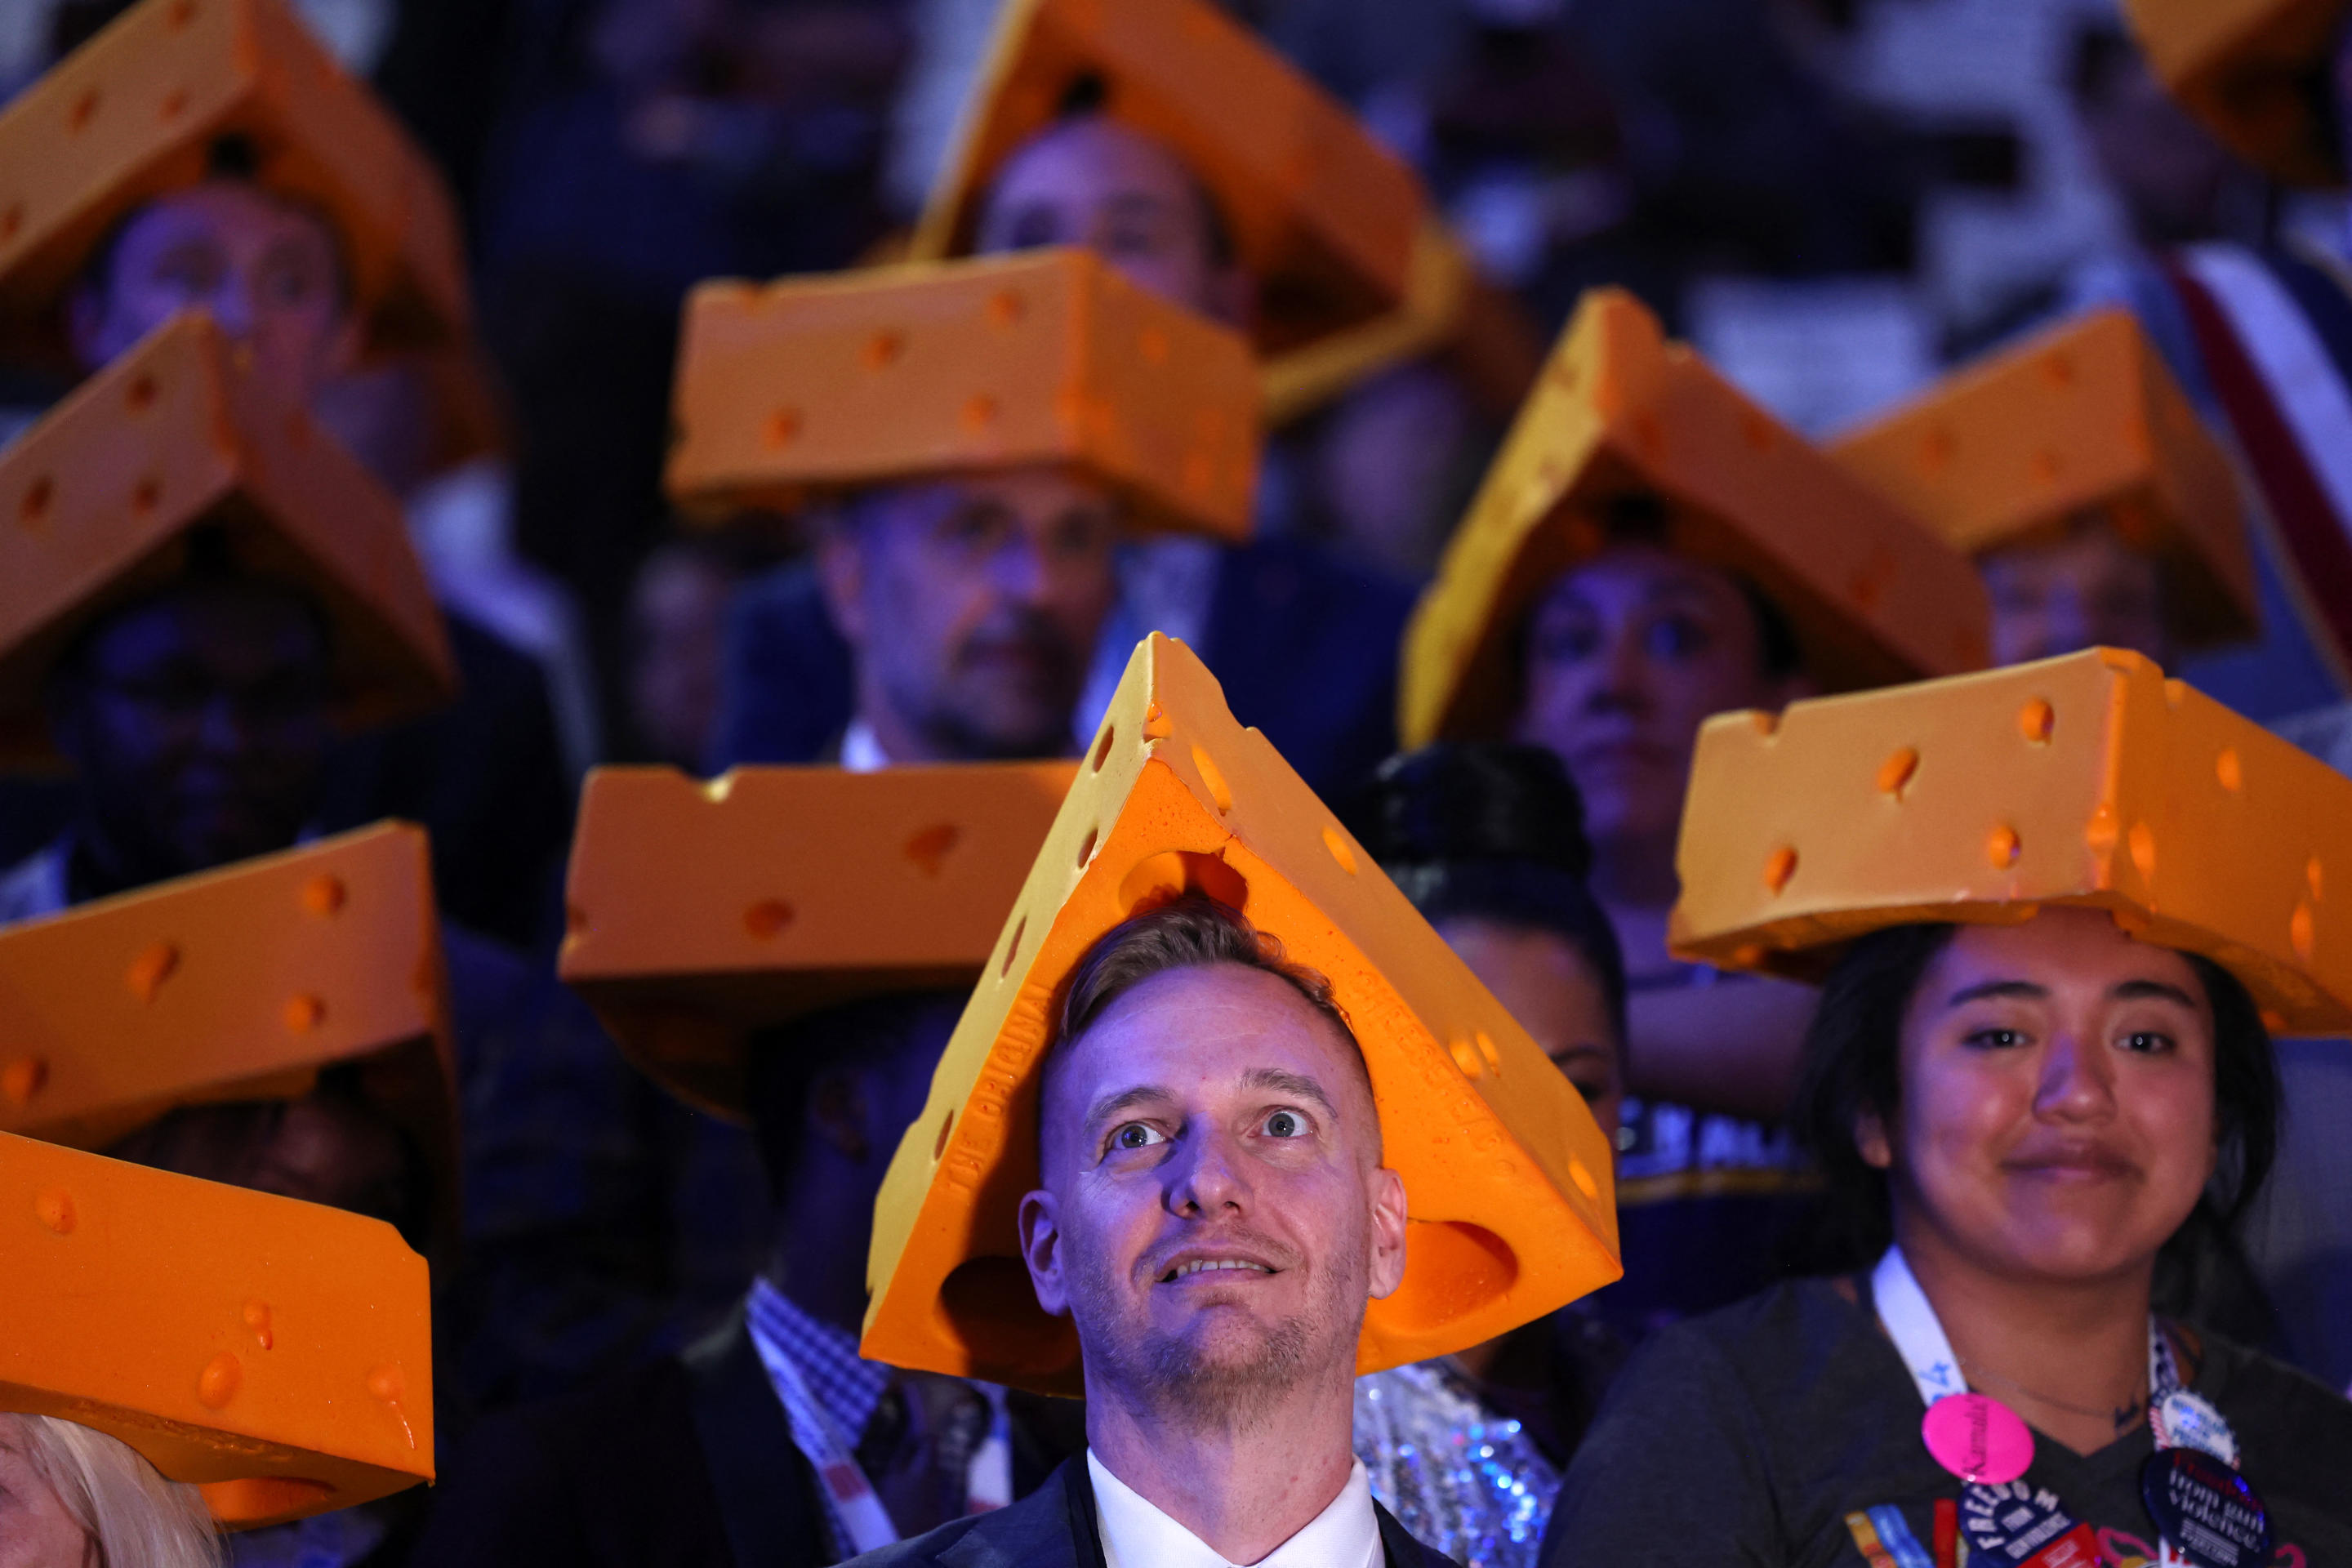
[1977, 1439]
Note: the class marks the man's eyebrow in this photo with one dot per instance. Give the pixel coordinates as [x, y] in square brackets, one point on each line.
[2159, 990]
[1299, 1086]
[1110, 1105]
[2007, 990]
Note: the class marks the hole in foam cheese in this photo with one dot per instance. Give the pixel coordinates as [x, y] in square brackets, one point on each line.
[2088, 779]
[1488, 1140]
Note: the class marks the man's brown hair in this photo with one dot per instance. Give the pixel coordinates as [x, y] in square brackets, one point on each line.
[1193, 932]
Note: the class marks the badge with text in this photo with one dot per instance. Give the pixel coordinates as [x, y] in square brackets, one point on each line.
[2206, 1512]
[2185, 1420]
[1978, 1438]
[2013, 1525]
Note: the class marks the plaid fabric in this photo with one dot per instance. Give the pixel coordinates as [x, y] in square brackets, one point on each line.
[848, 1387]
[827, 1360]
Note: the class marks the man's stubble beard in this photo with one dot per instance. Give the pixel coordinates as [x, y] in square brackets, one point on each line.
[951, 729]
[1234, 1389]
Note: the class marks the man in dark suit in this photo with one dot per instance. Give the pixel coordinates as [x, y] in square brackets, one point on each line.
[1305, 644]
[1212, 1217]
[696, 1461]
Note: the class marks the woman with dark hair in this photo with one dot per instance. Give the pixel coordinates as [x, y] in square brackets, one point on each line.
[1487, 840]
[2036, 1089]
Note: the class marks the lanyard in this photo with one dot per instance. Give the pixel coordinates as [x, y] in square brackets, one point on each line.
[2200, 1485]
[862, 1516]
[1911, 1323]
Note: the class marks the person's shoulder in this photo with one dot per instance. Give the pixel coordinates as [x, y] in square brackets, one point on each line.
[1788, 1348]
[1034, 1532]
[1794, 1315]
[2276, 1406]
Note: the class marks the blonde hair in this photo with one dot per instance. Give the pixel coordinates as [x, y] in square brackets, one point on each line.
[133, 1516]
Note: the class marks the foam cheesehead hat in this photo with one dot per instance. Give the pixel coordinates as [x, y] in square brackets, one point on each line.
[1506, 1178]
[136, 113]
[276, 1354]
[1872, 595]
[2088, 779]
[1353, 271]
[2083, 417]
[98, 501]
[243, 983]
[2258, 73]
[808, 387]
[700, 912]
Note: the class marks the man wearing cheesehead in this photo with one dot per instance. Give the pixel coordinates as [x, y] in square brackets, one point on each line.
[773, 947]
[200, 591]
[2099, 509]
[1650, 548]
[216, 156]
[1166, 137]
[1223, 1123]
[779, 953]
[185, 1358]
[974, 437]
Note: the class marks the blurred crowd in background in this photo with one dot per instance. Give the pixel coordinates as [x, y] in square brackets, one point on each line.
[1830, 199]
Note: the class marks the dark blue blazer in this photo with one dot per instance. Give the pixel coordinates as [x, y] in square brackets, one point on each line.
[1305, 645]
[1053, 1526]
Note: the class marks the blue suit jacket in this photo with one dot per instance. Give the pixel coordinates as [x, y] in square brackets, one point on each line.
[1053, 1526]
[1305, 645]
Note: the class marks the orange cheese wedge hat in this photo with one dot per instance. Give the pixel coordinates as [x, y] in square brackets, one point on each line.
[699, 912]
[236, 985]
[2256, 72]
[809, 386]
[97, 502]
[1873, 596]
[136, 113]
[276, 1354]
[1507, 1178]
[2083, 417]
[1354, 273]
[2088, 779]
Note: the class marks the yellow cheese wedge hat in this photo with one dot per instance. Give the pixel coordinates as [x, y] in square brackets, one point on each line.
[236, 985]
[98, 501]
[805, 387]
[1873, 596]
[136, 113]
[1354, 272]
[2083, 417]
[1506, 1178]
[276, 1354]
[2256, 72]
[699, 912]
[2088, 779]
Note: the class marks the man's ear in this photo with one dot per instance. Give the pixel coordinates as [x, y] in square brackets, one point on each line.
[1872, 1142]
[837, 1113]
[1041, 1248]
[1388, 1233]
[841, 576]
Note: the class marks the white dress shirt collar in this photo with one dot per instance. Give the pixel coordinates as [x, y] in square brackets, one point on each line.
[860, 752]
[1136, 1534]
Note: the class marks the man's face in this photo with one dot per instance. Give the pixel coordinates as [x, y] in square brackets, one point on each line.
[199, 722]
[1091, 181]
[1214, 1216]
[1626, 654]
[268, 270]
[973, 605]
[2088, 589]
